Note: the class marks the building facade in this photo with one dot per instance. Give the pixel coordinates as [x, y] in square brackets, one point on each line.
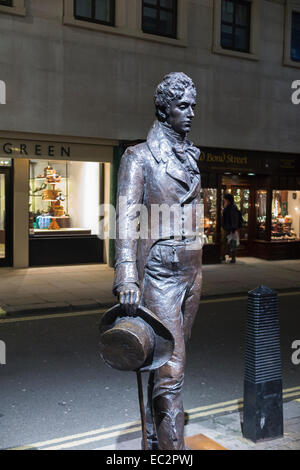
[78, 81]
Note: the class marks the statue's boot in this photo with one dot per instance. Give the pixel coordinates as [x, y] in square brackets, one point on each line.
[169, 420]
[152, 440]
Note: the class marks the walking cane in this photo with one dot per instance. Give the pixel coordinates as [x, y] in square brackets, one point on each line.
[142, 409]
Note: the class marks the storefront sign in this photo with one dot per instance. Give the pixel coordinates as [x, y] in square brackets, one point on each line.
[223, 157]
[288, 164]
[12, 148]
[242, 161]
[36, 150]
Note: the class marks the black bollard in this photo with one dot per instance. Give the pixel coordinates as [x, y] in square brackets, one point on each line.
[263, 415]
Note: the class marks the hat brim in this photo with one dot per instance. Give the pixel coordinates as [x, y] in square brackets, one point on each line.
[164, 340]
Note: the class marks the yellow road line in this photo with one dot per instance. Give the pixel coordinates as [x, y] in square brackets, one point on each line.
[77, 436]
[290, 395]
[235, 405]
[102, 437]
[282, 294]
[287, 390]
[111, 428]
[104, 433]
[216, 411]
[93, 439]
[222, 404]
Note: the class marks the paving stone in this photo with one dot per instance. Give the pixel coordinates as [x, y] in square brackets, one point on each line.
[295, 445]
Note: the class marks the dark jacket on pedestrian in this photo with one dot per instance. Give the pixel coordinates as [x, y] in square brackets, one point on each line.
[231, 218]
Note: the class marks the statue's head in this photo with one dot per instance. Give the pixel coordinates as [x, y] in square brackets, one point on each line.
[175, 100]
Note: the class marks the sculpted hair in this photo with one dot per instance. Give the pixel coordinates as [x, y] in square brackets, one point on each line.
[171, 88]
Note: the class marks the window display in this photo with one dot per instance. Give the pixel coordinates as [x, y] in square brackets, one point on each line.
[209, 199]
[63, 197]
[261, 214]
[285, 215]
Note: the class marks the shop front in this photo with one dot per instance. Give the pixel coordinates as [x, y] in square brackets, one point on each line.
[266, 188]
[59, 186]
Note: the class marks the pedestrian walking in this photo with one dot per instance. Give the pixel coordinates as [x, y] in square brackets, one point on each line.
[232, 221]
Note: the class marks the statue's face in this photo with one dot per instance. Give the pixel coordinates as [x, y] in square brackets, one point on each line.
[181, 112]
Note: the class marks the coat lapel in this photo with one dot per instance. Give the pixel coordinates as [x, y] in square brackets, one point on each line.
[162, 150]
[176, 171]
[194, 190]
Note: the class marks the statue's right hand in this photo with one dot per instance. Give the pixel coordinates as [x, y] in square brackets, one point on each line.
[129, 297]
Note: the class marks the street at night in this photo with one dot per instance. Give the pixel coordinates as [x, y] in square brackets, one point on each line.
[149, 193]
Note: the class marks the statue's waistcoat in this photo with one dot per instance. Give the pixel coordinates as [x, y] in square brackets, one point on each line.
[150, 174]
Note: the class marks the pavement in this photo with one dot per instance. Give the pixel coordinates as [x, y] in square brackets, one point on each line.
[69, 288]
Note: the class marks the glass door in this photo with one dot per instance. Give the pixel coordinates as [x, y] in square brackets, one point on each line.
[5, 218]
[242, 197]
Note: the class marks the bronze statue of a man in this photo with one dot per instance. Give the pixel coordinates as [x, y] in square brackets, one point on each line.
[162, 268]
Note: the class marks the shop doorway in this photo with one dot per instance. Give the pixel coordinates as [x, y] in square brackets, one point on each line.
[5, 217]
[243, 191]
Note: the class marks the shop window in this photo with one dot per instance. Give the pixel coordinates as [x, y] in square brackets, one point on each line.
[160, 17]
[285, 215]
[235, 25]
[96, 11]
[261, 214]
[295, 39]
[64, 198]
[209, 200]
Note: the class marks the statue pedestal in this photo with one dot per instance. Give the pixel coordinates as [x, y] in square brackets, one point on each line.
[201, 442]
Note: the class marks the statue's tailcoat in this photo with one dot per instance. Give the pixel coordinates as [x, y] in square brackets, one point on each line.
[168, 271]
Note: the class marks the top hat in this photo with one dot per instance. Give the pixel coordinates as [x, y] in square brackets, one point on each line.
[137, 343]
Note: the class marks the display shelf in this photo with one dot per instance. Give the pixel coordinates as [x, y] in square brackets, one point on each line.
[46, 200]
[43, 178]
[68, 231]
[49, 199]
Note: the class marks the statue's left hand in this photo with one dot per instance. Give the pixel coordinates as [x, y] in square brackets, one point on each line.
[129, 297]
